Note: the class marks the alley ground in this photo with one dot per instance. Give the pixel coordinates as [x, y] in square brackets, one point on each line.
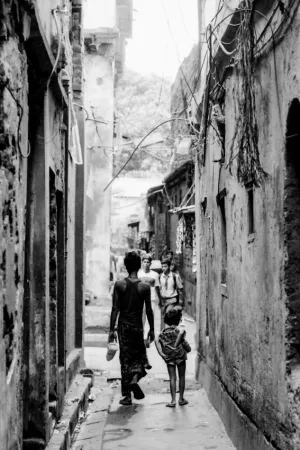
[147, 424]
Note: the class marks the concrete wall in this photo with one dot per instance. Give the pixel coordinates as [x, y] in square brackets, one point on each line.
[248, 321]
[99, 101]
[102, 38]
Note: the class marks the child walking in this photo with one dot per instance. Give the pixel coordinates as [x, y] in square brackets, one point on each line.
[173, 348]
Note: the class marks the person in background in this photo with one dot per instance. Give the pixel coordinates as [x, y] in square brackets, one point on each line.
[173, 348]
[170, 255]
[129, 297]
[150, 277]
[171, 289]
[173, 267]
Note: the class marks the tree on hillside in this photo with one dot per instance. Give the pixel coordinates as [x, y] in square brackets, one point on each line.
[143, 102]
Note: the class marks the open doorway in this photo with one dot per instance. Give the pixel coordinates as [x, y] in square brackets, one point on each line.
[292, 234]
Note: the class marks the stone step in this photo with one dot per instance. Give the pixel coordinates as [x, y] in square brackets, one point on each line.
[75, 402]
[95, 340]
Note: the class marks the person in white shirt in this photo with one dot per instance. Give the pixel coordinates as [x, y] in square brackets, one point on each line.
[171, 289]
[148, 276]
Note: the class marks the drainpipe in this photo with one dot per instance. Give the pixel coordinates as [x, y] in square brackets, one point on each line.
[66, 184]
[201, 25]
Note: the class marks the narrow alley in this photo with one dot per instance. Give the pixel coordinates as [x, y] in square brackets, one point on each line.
[147, 424]
[149, 224]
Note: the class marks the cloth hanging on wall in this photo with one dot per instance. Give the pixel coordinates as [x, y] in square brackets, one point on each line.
[180, 232]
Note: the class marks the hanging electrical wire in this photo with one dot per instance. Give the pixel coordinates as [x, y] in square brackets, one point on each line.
[229, 53]
[137, 147]
[167, 195]
[177, 52]
[189, 199]
[88, 116]
[186, 195]
[20, 113]
[138, 201]
[156, 156]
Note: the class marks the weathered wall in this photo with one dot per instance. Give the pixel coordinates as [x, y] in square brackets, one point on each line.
[187, 80]
[34, 141]
[180, 193]
[99, 100]
[249, 323]
[160, 222]
[13, 172]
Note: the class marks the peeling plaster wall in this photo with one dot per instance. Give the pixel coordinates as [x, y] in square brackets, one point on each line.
[28, 306]
[244, 326]
[13, 170]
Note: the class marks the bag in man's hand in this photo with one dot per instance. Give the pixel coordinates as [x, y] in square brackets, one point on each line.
[112, 348]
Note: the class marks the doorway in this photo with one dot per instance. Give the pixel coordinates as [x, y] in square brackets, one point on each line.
[292, 235]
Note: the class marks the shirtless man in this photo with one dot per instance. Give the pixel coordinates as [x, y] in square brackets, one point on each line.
[129, 298]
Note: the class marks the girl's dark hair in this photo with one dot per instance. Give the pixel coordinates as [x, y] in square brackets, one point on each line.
[132, 262]
[173, 316]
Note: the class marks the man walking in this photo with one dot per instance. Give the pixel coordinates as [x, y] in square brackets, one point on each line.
[171, 289]
[129, 297]
[148, 276]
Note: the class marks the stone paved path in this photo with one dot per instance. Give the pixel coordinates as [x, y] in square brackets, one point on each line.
[148, 424]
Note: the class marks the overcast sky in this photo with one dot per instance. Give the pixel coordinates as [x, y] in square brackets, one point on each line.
[164, 32]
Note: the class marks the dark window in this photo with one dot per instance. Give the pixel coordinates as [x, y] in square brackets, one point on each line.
[160, 206]
[204, 205]
[250, 194]
[223, 240]
[292, 236]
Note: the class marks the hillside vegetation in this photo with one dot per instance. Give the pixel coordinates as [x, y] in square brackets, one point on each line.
[143, 102]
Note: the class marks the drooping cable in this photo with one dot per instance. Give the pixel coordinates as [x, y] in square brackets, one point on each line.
[137, 147]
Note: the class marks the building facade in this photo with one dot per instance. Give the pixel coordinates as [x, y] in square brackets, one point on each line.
[171, 209]
[247, 215]
[102, 43]
[42, 204]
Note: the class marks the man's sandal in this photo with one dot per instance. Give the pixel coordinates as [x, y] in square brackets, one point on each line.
[125, 401]
[171, 405]
[137, 391]
[183, 402]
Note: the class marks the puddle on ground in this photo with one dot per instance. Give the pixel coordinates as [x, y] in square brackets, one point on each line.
[117, 434]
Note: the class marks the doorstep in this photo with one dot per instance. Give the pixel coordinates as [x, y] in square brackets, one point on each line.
[76, 400]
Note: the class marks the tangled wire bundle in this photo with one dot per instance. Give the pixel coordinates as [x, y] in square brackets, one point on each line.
[245, 138]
